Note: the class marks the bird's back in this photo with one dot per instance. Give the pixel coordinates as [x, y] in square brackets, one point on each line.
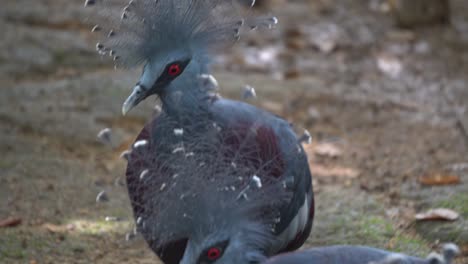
[345, 255]
[278, 148]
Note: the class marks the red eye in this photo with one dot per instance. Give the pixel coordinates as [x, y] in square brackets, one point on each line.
[174, 69]
[213, 253]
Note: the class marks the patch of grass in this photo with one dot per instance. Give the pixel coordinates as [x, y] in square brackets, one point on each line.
[371, 230]
[408, 244]
[358, 229]
[375, 228]
[11, 247]
[6, 164]
[379, 231]
[455, 232]
[19, 245]
[16, 246]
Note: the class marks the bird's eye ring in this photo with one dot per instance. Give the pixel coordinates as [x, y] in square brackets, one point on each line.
[213, 253]
[174, 69]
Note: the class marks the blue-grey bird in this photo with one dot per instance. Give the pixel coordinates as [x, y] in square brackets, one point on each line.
[176, 41]
[361, 255]
[216, 196]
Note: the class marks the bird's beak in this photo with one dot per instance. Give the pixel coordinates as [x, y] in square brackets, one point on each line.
[138, 94]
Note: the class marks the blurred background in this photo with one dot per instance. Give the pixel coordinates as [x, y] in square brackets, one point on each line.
[382, 86]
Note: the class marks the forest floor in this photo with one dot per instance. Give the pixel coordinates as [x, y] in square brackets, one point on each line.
[387, 109]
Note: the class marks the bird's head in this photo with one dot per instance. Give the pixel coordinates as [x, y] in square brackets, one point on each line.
[164, 73]
[174, 40]
[240, 243]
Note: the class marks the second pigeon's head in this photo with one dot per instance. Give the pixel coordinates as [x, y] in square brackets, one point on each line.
[229, 241]
[174, 40]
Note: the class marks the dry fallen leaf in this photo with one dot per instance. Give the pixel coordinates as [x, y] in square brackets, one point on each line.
[333, 171]
[11, 222]
[58, 228]
[437, 215]
[439, 179]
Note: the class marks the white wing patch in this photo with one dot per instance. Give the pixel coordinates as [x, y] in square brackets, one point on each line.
[296, 226]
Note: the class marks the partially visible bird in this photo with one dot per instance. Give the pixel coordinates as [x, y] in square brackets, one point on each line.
[176, 41]
[360, 255]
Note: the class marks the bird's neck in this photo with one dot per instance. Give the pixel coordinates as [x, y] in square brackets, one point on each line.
[187, 98]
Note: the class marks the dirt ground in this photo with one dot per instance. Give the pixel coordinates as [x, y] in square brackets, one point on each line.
[387, 109]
